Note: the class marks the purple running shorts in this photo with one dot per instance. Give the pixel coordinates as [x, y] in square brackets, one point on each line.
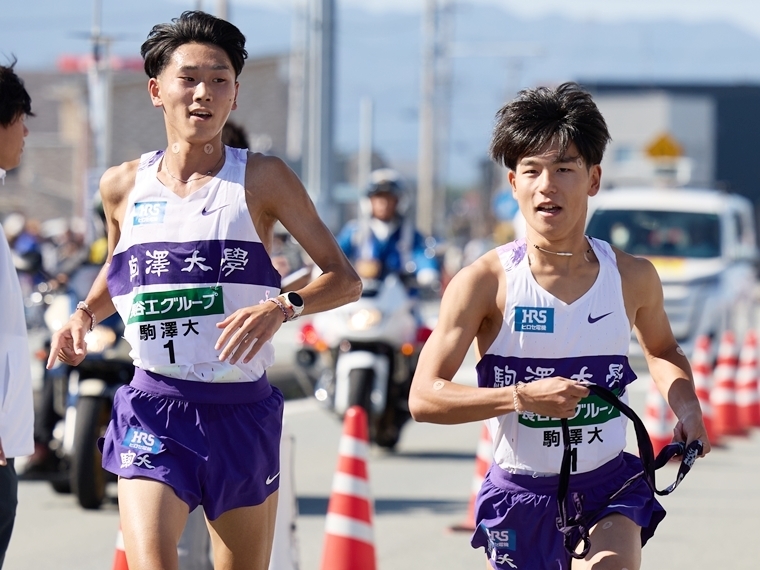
[515, 515]
[216, 445]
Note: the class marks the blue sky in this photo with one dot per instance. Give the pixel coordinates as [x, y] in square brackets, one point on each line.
[21, 20]
[743, 13]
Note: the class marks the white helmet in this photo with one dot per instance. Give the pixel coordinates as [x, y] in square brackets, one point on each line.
[385, 180]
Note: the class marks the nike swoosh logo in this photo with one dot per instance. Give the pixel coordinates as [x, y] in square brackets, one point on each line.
[270, 479]
[592, 320]
[206, 212]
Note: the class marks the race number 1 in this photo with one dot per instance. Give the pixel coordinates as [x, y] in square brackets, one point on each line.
[170, 347]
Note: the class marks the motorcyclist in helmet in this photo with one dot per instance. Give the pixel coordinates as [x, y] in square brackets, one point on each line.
[384, 241]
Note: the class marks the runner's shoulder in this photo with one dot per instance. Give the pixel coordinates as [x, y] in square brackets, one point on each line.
[264, 169]
[638, 273]
[478, 281]
[118, 181]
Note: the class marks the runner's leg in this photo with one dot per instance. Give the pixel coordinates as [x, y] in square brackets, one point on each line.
[242, 538]
[615, 545]
[152, 519]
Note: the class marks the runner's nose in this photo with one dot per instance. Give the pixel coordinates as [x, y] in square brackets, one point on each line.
[202, 93]
[546, 183]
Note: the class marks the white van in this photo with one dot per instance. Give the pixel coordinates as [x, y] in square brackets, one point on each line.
[702, 243]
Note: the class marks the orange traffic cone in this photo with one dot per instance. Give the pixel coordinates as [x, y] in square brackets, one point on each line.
[120, 558]
[701, 368]
[723, 395]
[658, 419]
[483, 459]
[349, 540]
[747, 404]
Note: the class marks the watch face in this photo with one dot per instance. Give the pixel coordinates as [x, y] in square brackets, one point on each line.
[295, 299]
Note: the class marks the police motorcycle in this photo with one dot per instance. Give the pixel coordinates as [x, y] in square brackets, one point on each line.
[365, 354]
[82, 396]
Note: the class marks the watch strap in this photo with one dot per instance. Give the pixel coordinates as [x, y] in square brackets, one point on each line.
[295, 309]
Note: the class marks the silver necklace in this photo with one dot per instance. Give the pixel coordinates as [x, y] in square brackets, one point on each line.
[203, 175]
[563, 253]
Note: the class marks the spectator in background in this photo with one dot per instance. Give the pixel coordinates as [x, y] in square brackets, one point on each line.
[234, 135]
[17, 420]
[25, 250]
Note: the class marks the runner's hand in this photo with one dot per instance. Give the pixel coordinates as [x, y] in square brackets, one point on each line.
[691, 427]
[553, 397]
[67, 344]
[246, 330]
[3, 460]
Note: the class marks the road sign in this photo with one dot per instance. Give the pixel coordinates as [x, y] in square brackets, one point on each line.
[664, 146]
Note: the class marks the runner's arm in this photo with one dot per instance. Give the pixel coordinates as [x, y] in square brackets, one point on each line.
[274, 193]
[467, 305]
[666, 361]
[284, 198]
[68, 342]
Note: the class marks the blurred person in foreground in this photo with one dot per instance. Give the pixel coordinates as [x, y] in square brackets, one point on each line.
[384, 240]
[17, 416]
[188, 268]
[548, 314]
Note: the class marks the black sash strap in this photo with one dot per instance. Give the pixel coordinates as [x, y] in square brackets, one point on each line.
[581, 522]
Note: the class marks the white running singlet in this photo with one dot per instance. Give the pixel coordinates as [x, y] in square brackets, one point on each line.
[542, 337]
[182, 265]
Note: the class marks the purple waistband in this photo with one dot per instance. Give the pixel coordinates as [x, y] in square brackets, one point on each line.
[543, 485]
[202, 392]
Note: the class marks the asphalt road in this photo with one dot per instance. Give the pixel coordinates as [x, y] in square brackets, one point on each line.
[419, 492]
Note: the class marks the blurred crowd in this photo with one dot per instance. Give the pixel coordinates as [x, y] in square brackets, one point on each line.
[45, 251]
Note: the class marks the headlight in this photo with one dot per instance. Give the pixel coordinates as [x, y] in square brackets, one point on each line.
[364, 319]
[99, 339]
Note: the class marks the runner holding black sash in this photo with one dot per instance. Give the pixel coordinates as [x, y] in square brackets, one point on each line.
[576, 528]
[551, 315]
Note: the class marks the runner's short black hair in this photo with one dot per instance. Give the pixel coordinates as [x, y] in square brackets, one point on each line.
[541, 116]
[192, 27]
[14, 99]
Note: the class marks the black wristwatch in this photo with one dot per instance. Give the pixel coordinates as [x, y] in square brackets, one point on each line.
[294, 302]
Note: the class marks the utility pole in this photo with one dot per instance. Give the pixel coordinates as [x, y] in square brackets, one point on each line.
[443, 110]
[99, 86]
[426, 175]
[297, 74]
[366, 120]
[222, 9]
[434, 115]
[99, 95]
[319, 155]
